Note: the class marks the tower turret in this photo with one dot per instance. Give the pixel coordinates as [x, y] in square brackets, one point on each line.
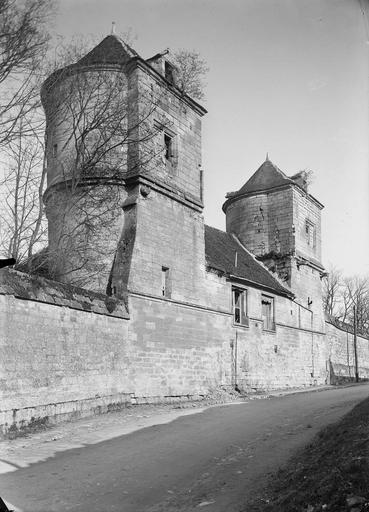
[278, 220]
[124, 195]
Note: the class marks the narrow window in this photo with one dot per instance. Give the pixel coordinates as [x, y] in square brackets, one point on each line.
[165, 283]
[239, 304]
[310, 233]
[55, 150]
[168, 145]
[169, 74]
[267, 312]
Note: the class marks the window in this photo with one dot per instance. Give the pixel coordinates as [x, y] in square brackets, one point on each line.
[165, 282]
[239, 304]
[168, 145]
[310, 233]
[169, 72]
[267, 312]
[55, 150]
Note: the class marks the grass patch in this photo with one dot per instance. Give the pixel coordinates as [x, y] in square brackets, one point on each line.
[322, 476]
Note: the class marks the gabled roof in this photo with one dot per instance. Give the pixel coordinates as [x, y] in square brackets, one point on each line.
[220, 252]
[111, 50]
[266, 177]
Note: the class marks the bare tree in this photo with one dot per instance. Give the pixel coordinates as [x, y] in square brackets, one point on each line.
[191, 73]
[332, 288]
[98, 132]
[356, 293]
[19, 233]
[23, 44]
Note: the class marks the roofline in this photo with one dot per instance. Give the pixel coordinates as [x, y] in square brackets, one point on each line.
[60, 74]
[237, 196]
[286, 293]
[284, 289]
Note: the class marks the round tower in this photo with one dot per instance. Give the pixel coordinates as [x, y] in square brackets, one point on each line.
[87, 120]
[276, 218]
[260, 214]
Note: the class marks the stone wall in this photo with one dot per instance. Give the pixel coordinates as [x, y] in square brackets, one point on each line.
[170, 235]
[340, 345]
[293, 355]
[306, 209]
[70, 352]
[173, 115]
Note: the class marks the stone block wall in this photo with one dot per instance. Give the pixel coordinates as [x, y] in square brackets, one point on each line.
[305, 209]
[171, 114]
[306, 284]
[171, 235]
[247, 218]
[263, 222]
[340, 346]
[64, 354]
[280, 221]
[293, 355]
[67, 352]
[61, 351]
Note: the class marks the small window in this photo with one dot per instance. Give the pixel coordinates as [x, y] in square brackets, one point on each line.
[55, 150]
[267, 312]
[169, 72]
[310, 233]
[239, 304]
[165, 282]
[168, 145]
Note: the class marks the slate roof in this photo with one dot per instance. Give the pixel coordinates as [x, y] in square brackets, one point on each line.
[111, 50]
[266, 177]
[220, 250]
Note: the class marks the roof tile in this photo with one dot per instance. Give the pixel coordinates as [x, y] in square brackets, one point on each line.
[220, 251]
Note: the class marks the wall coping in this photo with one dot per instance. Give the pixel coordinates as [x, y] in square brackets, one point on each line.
[39, 289]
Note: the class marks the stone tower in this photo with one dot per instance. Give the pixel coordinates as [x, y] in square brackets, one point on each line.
[277, 219]
[124, 195]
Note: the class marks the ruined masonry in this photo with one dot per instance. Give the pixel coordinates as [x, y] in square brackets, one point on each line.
[166, 308]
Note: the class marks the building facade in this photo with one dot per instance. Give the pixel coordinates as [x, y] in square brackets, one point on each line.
[165, 307]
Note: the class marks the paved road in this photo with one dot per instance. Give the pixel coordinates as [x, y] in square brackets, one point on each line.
[210, 461]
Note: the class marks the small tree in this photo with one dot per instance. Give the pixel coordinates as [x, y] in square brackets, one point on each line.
[332, 288]
[191, 73]
[23, 44]
[19, 228]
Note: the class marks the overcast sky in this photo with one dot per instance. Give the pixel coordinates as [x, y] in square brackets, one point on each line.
[288, 77]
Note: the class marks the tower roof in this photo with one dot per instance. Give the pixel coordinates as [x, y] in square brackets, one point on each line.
[266, 177]
[111, 50]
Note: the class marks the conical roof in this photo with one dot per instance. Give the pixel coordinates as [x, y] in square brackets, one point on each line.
[266, 177]
[111, 50]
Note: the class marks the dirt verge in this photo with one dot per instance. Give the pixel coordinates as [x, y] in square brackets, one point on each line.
[330, 474]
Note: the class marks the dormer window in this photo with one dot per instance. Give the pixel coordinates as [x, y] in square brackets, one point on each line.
[169, 72]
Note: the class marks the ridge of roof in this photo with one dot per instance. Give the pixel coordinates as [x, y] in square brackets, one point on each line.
[220, 250]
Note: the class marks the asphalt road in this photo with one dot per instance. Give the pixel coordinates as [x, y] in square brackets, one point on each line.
[210, 461]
